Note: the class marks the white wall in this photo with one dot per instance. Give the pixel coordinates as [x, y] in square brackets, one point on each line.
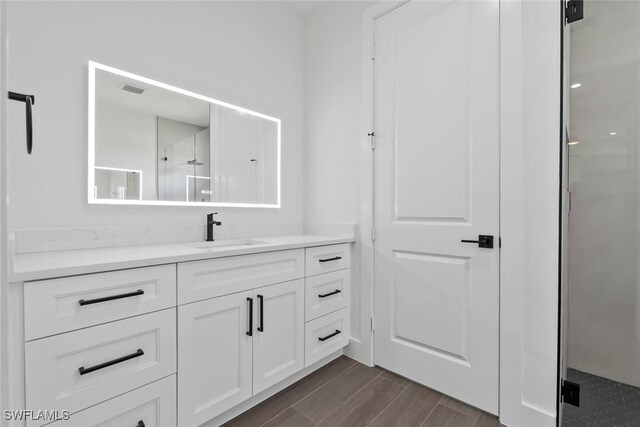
[332, 135]
[529, 214]
[246, 53]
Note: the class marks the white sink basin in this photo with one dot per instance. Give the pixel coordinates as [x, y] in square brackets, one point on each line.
[226, 243]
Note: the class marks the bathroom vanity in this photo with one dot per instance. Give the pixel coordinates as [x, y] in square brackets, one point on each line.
[177, 334]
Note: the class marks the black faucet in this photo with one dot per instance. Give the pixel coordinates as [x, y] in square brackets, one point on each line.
[210, 224]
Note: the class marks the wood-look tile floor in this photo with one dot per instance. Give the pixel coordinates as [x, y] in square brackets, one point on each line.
[350, 394]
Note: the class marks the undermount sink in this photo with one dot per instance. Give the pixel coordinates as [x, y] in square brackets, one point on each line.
[226, 243]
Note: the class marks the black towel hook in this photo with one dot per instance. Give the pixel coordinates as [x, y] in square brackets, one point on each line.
[29, 101]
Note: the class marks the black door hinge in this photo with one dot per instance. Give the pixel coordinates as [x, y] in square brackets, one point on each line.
[574, 11]
[570, 393]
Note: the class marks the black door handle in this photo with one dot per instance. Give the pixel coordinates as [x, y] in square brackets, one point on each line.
[335, 258]
[29, 100]
[90, 369]
[330, 335]
[484, 241]
[110, 298]
[250, 328]
[261, 308]
[337, 291]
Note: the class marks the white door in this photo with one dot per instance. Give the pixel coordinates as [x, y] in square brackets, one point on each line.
[214, 356]
[437, 183]
[278, 341]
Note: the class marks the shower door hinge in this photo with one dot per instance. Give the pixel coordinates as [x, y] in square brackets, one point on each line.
[574, 11]
[372, 137]
[373, 325]
[373, 234]
[570, 393]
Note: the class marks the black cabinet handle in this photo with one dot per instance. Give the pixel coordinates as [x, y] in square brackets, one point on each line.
[335, 258]
[110, 298]
[484, 241]
[28, 100]
[140, 424]
[250, 326]
[90, 369]
[330, 335]
[337, 291]
[261, 307]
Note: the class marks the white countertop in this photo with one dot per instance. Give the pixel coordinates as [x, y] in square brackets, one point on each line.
[46, 265]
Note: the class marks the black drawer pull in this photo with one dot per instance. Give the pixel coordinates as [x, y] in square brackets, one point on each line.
[330, 335]
[140, 424]
[250, 326]
[261, 327]
[28, 100]
[335, 258]
[110, 298]
[90, 369]
[337, 291]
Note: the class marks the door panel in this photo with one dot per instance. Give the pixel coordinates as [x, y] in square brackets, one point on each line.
[215, 357]
[278, 346]
[437, 183]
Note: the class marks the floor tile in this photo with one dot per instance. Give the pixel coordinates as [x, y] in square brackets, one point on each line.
[364, 406]
[395, 378]
[292, 394]
[461, 407]
[330, 396]
[444, 416]
[289, 418]
[409, 409]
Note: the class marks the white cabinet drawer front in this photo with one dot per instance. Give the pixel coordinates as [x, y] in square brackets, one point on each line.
[60, 305]
[222, 276]
[323, 259]
[78, 369]
[325, 335]
[327, 293]
[154, 405]
[215, 353]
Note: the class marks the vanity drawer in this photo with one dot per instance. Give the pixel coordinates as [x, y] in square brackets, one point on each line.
[153, 404]
[221, 276]
[325, 335]
[323, 259]
[78, 369]
[327, 293]
[61, 305]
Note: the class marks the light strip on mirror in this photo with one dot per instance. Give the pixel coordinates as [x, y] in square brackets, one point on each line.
[93, 66]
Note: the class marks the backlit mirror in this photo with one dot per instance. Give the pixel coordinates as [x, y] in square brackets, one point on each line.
[151, 143]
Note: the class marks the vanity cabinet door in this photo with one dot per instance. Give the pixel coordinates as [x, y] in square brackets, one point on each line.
[214, 356]
[278, 342]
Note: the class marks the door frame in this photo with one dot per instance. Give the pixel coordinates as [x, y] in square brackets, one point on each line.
[529, 217]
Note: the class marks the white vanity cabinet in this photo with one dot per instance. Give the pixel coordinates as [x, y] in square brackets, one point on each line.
[235, 346]
[183, 343]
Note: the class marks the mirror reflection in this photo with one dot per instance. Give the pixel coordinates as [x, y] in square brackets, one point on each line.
[156, 144]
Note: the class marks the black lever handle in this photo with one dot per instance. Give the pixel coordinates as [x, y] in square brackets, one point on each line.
[84, 370]
[250, 328]
[29, 100]
[337, 291]
[261, 327]
[110, 298]
[484, 241]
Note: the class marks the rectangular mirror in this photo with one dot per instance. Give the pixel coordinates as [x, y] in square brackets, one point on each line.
[155, 144]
